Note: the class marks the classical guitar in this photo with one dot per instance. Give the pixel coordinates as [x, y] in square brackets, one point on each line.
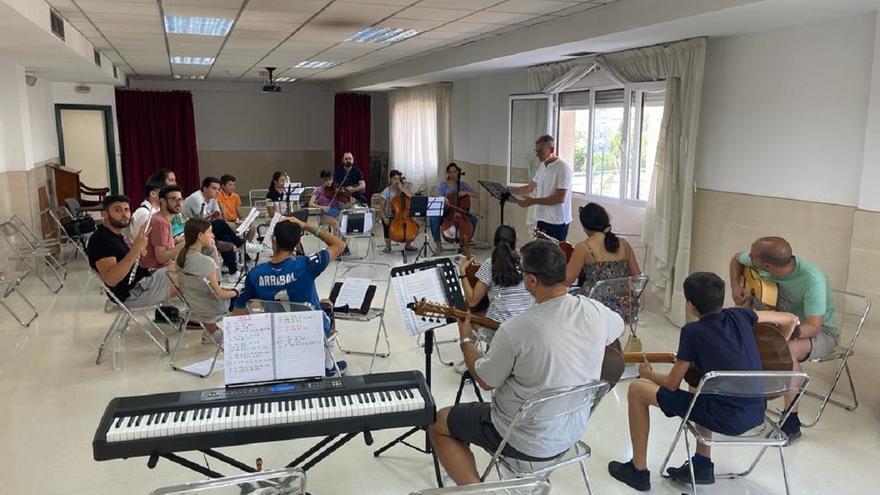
[762, 293]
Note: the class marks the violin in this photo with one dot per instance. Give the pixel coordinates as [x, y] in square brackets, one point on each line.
[403, 228]
[334, 190]
[456, 227]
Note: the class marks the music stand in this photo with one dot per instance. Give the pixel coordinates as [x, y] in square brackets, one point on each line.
[499, 192]
[455, 297]
[426, 207]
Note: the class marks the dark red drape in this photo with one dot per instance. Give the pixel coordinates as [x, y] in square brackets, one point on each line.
[351, 131]
[156, 130]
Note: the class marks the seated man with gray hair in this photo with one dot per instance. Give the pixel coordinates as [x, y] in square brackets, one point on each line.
[528, 357]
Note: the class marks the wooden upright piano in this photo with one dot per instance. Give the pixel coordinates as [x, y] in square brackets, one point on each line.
[66, 184]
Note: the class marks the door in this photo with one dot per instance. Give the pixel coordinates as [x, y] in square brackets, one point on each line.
[85, 139]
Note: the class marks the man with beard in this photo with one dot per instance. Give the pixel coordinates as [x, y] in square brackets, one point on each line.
[350, 178]
[112, 258]
[162, 247]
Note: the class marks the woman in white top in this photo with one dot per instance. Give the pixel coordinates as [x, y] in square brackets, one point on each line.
[208, 302]
[500, 278]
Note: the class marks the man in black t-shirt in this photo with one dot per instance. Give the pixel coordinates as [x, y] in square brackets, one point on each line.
[350, 178]
[113, 259]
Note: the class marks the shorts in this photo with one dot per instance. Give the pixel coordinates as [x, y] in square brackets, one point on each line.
[333, 212]
[149, 291]
[823, 343]
[708, 413]
[471, 422]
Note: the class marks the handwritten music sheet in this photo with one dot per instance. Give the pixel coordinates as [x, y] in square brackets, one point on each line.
[299, 345]
[352, 293]
[421, 284]
[249, 219]
[267, 240]
[248, 348]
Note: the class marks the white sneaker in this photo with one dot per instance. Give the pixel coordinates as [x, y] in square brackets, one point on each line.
[253, 248]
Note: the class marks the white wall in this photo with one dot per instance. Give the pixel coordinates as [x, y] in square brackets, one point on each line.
[868, 197]
[44, 136]
[784, 112]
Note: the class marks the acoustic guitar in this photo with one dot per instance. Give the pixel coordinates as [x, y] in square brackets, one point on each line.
[567, 247]
[762, 293]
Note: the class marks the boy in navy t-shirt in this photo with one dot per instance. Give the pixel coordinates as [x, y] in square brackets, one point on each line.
[721, 340]
[294, 275]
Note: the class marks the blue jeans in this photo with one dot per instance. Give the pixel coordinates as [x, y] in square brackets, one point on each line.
[435, 222]
[558, 231]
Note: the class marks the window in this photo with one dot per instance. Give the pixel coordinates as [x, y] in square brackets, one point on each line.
[530, 118]
[609, 136]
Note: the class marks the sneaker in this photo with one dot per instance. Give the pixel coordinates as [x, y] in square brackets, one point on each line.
[703, 474]
[252, 248]
[218, 337]
[460, 367]
[792, 428]
[627, 473]
[331, 372]
[346, 251]
[386, 250]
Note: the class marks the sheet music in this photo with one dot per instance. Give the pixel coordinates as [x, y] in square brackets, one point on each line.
[435, 206]
[299, 344]
[267, 240]
[249, 219]
[248, 348]
[368, 219]
[202, 367]
[352, 292]
[421, 284]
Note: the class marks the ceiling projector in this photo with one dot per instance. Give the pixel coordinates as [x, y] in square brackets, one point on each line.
[271, 86]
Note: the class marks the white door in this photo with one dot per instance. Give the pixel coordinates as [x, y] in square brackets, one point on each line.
[85, 145]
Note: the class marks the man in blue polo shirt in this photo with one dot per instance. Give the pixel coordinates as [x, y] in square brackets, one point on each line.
[293, 275]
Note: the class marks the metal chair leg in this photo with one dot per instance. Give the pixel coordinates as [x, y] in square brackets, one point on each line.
[687, 448]
[784, 471]
[13, 313]
[120, 323]
[826, 399]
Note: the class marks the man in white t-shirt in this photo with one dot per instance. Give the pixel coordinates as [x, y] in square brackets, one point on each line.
[552, 187]
[528, 357]
[140, 215]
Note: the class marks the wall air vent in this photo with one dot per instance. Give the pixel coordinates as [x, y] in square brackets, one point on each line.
[97, 57]
[57, 23]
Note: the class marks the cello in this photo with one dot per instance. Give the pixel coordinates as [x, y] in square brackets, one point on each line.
[456, 227]
[402, 228]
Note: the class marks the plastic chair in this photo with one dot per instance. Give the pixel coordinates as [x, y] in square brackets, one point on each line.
[9, 285]
[738, 385]
[23, 249]
[545, 408]
[850, 307]
[288, 481]
[189, 313]
[524, 486]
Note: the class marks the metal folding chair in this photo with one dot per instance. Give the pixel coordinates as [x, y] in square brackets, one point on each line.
[370, 253]
[189, 313]
[545, 408]
[61, 216]
[9, 285]
[739, 385]
[380, 274]
[852, 310]
[22, 250]
[623, 293]
[287, 481]
[125, 315]
[264, 306]
[524, 486]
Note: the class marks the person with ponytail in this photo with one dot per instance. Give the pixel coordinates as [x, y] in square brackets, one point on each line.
[602, 255]
[275, 192]
[500, 278]
[197, 263]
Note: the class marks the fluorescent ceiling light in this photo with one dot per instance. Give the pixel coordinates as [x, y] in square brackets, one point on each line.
[378, 34]
[197, 77]
[205, 26]
[186, 60]
[314, 64]
[285, 79]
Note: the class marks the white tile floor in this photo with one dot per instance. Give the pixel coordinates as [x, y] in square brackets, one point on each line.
[53, 395]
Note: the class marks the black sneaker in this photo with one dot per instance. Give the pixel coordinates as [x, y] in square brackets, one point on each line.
[627, 473]
[704, 474]
[346, 252]
[792, 428]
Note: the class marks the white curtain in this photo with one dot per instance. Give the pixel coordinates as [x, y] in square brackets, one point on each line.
[667, 228]
[556, 77]
[421, 136]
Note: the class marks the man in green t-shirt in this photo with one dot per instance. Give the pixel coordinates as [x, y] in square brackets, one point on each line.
[803, 289]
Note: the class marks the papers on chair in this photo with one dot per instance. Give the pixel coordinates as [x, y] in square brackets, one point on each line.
[273, 346]
[352, 292]
[267, 239]
[421, 284]
[356, 221]
[248, 221]
[204, 367]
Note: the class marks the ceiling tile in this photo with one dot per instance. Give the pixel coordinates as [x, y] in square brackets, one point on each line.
[433, 14]
[498, 17]
[252, 15]
[242, 34]
[201, 11]
[401, 3]
[278, 26]
[307, 6]
[321, 33]
[105, 6]
[224, 4]
[421, 25]
[466, 27]
[531, 6]
[458, 4]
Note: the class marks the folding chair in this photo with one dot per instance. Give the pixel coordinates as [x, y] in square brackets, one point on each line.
[622, 293]
[850, 307]
[371, 246]
[31, 236]
[287, 481]
[22, 250]
[61, 216]
[380, 273]
[9, 285]
[524, 486]
[738, 385]
[187, 284]
[549, 407]
[126, 315]
[264, 306]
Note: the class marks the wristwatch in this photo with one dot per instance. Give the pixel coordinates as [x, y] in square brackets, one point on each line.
[467, 340]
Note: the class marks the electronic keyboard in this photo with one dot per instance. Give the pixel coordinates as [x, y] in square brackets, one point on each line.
[157, 424]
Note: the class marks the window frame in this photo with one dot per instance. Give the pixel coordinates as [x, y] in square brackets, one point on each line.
[551, 123]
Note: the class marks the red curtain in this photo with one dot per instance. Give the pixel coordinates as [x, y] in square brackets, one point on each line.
[351, 131]
[156, 130]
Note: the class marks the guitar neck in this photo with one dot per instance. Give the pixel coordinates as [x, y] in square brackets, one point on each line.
[651, 357]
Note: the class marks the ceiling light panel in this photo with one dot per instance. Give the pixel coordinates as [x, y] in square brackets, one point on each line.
[284, 79]
[187, 60]
[204, 26]
[314, 64]
[379, 34]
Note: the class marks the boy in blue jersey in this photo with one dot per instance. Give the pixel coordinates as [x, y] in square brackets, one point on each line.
[294, 275]
[721, 340]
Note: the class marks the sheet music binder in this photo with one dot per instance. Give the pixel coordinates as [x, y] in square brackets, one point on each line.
[365, 305]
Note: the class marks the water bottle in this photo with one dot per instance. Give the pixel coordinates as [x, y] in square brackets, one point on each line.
[119, 351]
